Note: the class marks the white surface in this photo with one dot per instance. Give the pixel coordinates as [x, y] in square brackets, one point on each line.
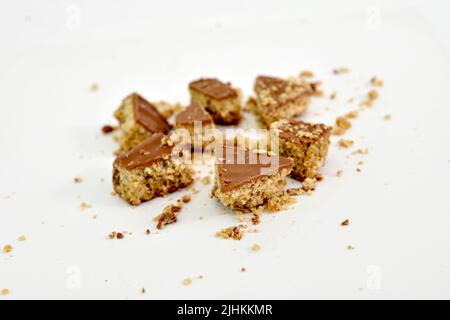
[398, 205]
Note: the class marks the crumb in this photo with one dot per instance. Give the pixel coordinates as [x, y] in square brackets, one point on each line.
[255, 219]
[85, 206]
[116, 235]
[120, 236]
[186, 199]
[341, 70]
[168, 216]
[93, 87]
[256, 247]
[352, 114]
[200, 277]
[78, 180]
[316, 92]
[342, 125]
[108, 129]
[4, 292]
[387, 117]
[377, 82]
[143, 291]
[22, 238]
[350, 100]
[372, 95]
[243, 269]
[206, 180]
[94, 217]
[309, 184]
[306, 74]
[358, 170]
[339, 173]
[345, 223]
[333, 95]
[187, 282]
[361, 151]
[345, 143]
[7, 249]
[350, 248]
[231, 233]
[147, 232]
[360, 163]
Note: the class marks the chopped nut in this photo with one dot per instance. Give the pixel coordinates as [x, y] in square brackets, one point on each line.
[22, 238]
[306, 74]
[168, 216]
[78, 180]
[231, 233]
[4, 292]
[345, 143]
[119, 236]
[187, 282]
[345, 223]
[352, 114]
[186, 199]
[256, 247]
[7, 249]
[108, 129]
[342, 125]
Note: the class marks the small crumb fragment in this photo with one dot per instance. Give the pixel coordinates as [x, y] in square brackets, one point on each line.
[360, 163]
[143, 291]
[344, 143]
[352, 114]
[256, 247]
[243, 269]
[377, 82]
[4, 292]
[93, 87]
[361, 151]
[94, 217]
[306, 74]
[341, 70]
[235, 233]
[255, 219]
[186, 199]
[107, 129]
[387, 117]
[85, 206]
[168, 216]
[339, 173]
[358, 169]
[78, 180]
[116, 235]
[342, 125]
[206, 180]
[200, 277]
[373, 95]
[350, 248]
[345, 223]
[147, 232]
[119, 236]
[22, 238]
[7, 249]
[316, 92]
[187, 282]
[333, 95]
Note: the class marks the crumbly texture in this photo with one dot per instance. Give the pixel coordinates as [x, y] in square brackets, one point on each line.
[132, 132]
[158, 179]
[235, 233]
[224, 109]
[265, 192]
[168, 216]
[167, 109]
[280, 99]
[342, 125]
[307, 144]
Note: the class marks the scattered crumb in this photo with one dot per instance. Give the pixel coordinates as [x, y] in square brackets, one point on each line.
[7, 249]
[143, 291]
[116, 235]
[372, 95]
[341, 70]
[316, 92]
[358, 169]
[168, 216]
[22, 238]
[350, 248]
[306, 74]
[85, 206]
[345, 143]
[231, 233]
[342, 125]
[200, 277]
[206, 180]
[78, 180]
[352, 114]
[147, 232]
[361, 151]
[350, 100]
[4, 292]
[256, 247]
[94, 217]
[186, 199]
[387, 117]
[345, 223]
[255, 219]
[377, 82]
[93, 87]
[243, 269]
[360, 163]
[339, 173]
[333, 95]
[187, 282]
[106, 129]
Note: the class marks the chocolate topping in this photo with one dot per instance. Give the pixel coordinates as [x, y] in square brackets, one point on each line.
[300, 132]
[146, 153]
[148, 116]
[214, 88]
[193, 113]
[238, 167]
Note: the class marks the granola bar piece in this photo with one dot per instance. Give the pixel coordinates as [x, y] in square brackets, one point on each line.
[220, 99]
[138, 119]
[198, 123]
[280, 99]
[150, 170]
[304, 142]
[248, 181]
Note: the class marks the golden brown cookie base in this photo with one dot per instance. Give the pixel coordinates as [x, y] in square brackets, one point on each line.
[143, 184]
[223, 112]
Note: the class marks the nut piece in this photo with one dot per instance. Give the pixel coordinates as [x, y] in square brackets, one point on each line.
[345, 223]
[231, 233]
[168, 216]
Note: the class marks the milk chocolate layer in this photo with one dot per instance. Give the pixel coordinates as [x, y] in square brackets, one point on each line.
[146, 153]
[148, 116]
[194, 113]
[237, 167]
[214, 89]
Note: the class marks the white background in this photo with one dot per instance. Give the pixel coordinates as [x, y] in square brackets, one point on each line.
[52, 51]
